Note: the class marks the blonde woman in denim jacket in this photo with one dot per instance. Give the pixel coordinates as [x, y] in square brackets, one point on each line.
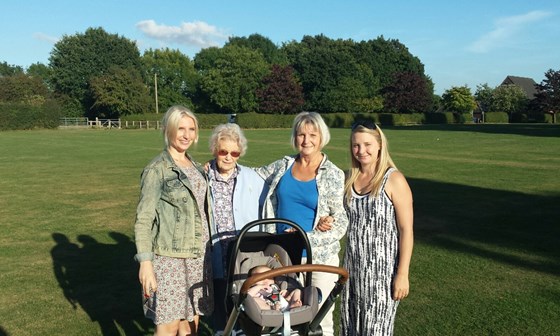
[172, 232]
[322, 185]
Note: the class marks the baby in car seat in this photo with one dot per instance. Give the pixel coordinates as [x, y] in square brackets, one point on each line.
[267, 294]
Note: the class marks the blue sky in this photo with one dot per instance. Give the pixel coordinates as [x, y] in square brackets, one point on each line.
[459, 42]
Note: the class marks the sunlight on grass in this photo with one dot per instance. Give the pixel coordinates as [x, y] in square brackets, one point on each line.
[486, 226]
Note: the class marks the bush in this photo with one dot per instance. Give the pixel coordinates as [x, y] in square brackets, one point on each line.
[413, 119]
[440, 118]
[519, 118]
[255, 120]
[549, 118]
[24, 116]
[345, 120]
[496, 117]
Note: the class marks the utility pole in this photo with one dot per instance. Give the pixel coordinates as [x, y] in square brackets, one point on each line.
[155, 90]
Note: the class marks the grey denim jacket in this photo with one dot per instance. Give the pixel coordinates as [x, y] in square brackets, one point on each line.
[168, 220]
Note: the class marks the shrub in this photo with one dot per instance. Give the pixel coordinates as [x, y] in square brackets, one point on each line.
[254, 120]
[496, 117]
[440, 118]
[519, 118]
[24, 116]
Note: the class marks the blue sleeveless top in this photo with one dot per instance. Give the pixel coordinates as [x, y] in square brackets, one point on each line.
[297, 201]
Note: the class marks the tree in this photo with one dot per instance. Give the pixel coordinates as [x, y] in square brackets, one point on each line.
[281, 92]
[42, 71]
[509, 98]
[76, 59]
[347, 95]
[408, 93]
[548, 95]
[326, 68]
[271, 53]
[39, 70]
[387, 57]
[118, 92]
[329, 68]
[176, 77]
[21, 88]
[10, 70]
[458, 99]
[484, 97]
[206, 59]
[234, 79]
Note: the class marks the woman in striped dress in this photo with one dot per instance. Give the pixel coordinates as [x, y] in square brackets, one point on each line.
[380, 236]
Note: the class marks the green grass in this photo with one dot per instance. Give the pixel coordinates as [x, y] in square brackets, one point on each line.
[486, 258]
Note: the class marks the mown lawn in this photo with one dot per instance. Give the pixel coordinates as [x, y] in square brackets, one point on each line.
[486, 259]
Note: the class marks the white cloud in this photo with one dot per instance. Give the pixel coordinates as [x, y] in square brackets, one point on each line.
[505, 29]
[198, 33]
[45, 37]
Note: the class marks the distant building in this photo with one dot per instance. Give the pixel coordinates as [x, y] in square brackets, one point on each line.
[528, 85]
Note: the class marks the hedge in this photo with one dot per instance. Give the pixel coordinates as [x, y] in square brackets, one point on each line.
[335, 120]
[14, 116]
[496, 117]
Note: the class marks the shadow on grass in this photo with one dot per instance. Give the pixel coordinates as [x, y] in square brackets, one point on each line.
[512, 228]
[540, 130]
[102, 280]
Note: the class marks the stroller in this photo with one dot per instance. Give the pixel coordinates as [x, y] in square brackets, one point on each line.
[283, 254]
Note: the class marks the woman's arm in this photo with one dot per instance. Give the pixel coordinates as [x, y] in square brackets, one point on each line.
[334, 197]
[145, 215]
[268, 172]
[399, 192]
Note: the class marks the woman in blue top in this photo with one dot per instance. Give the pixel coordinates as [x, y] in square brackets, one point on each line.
[308, 189]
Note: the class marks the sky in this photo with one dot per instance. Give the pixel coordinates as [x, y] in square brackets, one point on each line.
[459, 42]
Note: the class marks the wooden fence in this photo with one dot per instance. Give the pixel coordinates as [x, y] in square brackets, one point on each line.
[107, 123]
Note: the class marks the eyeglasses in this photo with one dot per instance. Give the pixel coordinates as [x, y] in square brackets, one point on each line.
[365, 123]
[224, 152]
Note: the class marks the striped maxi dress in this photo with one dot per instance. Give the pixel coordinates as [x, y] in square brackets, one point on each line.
[371, 258]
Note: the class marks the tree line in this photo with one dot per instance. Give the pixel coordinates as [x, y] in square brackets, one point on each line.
[98, 74]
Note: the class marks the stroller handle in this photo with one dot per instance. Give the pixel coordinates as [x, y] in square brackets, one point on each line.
[343, 273]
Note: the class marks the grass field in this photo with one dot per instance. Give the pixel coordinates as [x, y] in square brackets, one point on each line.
[486, 258]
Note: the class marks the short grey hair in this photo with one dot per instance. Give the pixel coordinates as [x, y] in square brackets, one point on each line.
[170, 122]
[314, 119]
[229, 131]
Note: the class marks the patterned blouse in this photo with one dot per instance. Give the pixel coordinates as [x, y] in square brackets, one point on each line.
[223, 208]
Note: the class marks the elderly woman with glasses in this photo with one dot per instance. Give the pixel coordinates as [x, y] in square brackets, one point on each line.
[307, 188]
[237, 194]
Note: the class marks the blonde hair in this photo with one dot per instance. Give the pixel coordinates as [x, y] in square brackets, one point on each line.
[228, 132]
[384, 161]
[314, 119]
[170, 122]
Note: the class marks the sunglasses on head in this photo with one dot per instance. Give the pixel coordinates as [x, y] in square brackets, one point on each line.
[367, 124]
[224, 152]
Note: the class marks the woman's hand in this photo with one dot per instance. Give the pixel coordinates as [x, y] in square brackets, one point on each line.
[325, 223]
[206, 166]
[400, 287]
[147, 278]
